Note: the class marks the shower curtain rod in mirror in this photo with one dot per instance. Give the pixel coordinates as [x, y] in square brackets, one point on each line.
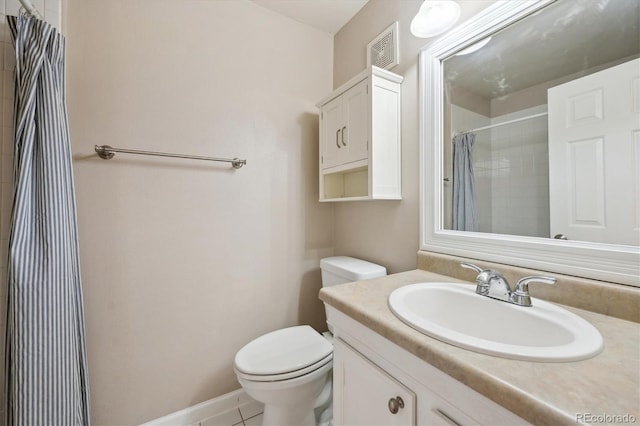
[30, 8]
[107, 152]
[504, 123]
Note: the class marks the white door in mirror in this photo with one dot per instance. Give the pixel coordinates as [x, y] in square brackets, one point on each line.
[594, 156]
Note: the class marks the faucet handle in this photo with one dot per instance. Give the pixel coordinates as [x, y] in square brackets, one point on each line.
[472, 267]
[520, 295]
[486, 278]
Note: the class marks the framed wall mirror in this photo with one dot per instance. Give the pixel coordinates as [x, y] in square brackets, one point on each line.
[530, 138]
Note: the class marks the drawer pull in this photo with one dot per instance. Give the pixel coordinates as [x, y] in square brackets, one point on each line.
[338, 134]
[445, 417]
[395, 404]
[343, 130]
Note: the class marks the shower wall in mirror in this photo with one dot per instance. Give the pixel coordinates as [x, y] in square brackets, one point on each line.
[555, 124]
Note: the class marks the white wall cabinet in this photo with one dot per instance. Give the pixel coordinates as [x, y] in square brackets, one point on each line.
[370, 371]
[344, 127]
[360, 153]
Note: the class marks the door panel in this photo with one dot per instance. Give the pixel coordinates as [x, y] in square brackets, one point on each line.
[356, 122]
[362, 392]
[594, 182]
[331, 124]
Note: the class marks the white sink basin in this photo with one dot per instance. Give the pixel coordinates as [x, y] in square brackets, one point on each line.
[455, 314]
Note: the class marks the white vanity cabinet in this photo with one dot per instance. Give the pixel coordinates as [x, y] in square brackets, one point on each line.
[366, 395]
[370, 372]
[360, 139]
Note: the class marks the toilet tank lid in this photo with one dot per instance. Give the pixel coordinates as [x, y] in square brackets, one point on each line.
[352, 268]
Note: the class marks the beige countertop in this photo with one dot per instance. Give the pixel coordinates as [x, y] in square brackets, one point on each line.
[541, 393]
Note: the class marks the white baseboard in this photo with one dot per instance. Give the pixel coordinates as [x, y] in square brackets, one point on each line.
[204, 410]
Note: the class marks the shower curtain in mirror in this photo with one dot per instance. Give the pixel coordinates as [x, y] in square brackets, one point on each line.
[465, 214]
[45, 366]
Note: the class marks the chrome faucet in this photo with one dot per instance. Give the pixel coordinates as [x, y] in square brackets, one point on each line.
[493, 284]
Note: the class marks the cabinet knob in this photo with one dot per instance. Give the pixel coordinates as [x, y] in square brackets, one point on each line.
[395, 404]
[343, 130]
[338, 134]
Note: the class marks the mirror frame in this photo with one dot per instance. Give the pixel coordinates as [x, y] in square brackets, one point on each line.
[607, 262]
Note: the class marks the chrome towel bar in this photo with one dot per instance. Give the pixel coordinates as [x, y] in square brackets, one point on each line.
[107, 152]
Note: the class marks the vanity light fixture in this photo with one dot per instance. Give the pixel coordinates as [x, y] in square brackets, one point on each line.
[435, 17]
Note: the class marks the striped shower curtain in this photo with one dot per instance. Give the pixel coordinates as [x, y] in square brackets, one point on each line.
[465, 212]
[45, 366]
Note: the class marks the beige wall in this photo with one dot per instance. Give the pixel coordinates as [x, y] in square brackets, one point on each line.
[184, 262]
[387, 232]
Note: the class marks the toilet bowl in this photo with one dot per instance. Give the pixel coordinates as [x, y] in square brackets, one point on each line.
[287, 371]
[290, 370]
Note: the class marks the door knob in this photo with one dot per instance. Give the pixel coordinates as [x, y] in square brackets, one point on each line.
[395, 404]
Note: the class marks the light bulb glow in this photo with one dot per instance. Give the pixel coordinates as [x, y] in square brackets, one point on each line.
[474, 47]
[435, 17]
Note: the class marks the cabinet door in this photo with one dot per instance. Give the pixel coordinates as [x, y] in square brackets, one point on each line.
[365, 395]
[331, 130]
[355, 132]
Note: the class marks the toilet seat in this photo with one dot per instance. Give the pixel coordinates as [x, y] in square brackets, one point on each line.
[286, 376]
[283, 354]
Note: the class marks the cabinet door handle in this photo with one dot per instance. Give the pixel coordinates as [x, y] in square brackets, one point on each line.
[337, 134]
[395, 404]
[445, 417]
[343, 142]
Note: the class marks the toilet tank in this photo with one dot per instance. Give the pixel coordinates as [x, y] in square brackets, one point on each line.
[344, 269]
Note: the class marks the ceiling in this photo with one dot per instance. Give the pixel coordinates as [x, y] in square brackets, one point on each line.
[325, 15]
[566, 38]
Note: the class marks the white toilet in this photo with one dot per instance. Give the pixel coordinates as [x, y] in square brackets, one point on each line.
[289, 370]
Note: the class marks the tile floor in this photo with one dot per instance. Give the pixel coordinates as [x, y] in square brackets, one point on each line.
[248, 414]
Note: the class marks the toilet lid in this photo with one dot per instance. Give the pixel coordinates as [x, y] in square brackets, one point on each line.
[283, 351]
[286, 376]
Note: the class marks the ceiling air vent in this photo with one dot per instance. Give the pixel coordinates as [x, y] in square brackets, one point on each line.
[383, 51]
